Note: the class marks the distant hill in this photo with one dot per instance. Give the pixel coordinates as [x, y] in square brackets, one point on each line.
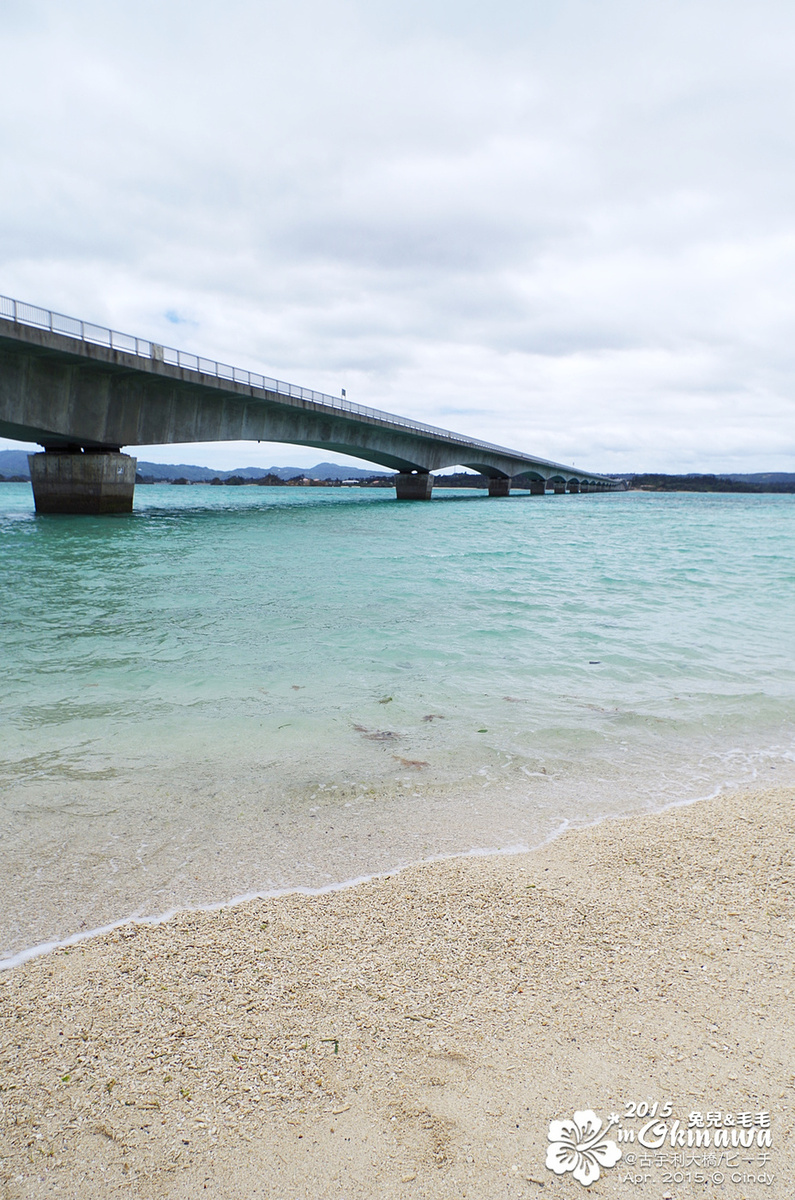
[15, 462]
[766, 477]
[326, 470]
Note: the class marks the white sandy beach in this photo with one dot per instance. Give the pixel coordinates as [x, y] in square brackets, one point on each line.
[414, 1036]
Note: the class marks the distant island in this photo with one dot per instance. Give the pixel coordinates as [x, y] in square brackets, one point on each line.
[14, 469]
[764, 481]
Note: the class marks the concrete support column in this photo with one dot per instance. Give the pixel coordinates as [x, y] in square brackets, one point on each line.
[537, 487]
[558, 487]
[574, 486]
[91, 482]
[417, 486]
[499, 487]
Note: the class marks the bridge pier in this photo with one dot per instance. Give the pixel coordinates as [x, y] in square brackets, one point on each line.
[537, 487]
[558, 487]
[499, 487]
[414, 486]
[573, 487]
[90, 482]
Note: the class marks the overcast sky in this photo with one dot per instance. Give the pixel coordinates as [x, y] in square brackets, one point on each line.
[566, 226]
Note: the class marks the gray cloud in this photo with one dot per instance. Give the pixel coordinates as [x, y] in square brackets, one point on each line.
[562, 227]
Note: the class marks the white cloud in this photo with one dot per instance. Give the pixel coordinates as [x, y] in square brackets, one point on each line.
[567, 228]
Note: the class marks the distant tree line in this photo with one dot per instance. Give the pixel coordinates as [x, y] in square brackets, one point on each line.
[703, 483]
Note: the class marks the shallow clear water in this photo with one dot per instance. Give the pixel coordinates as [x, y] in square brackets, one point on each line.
[241, 689]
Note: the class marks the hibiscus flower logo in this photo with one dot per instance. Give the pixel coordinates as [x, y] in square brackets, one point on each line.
[580, 1146]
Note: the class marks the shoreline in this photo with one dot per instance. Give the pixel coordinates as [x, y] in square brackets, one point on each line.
[416, 1033]
[29, 954]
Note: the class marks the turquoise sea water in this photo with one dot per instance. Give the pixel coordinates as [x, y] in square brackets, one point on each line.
[242, 689]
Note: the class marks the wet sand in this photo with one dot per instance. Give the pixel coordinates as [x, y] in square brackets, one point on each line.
[414, 1036]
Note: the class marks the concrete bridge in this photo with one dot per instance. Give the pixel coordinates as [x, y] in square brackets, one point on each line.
[82, 392]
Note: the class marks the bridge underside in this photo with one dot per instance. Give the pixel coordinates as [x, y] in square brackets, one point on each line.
[85, 403]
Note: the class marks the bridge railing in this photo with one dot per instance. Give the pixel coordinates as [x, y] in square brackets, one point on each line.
[97, 335]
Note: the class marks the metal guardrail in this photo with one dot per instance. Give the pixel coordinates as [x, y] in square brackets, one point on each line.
[97, 335]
